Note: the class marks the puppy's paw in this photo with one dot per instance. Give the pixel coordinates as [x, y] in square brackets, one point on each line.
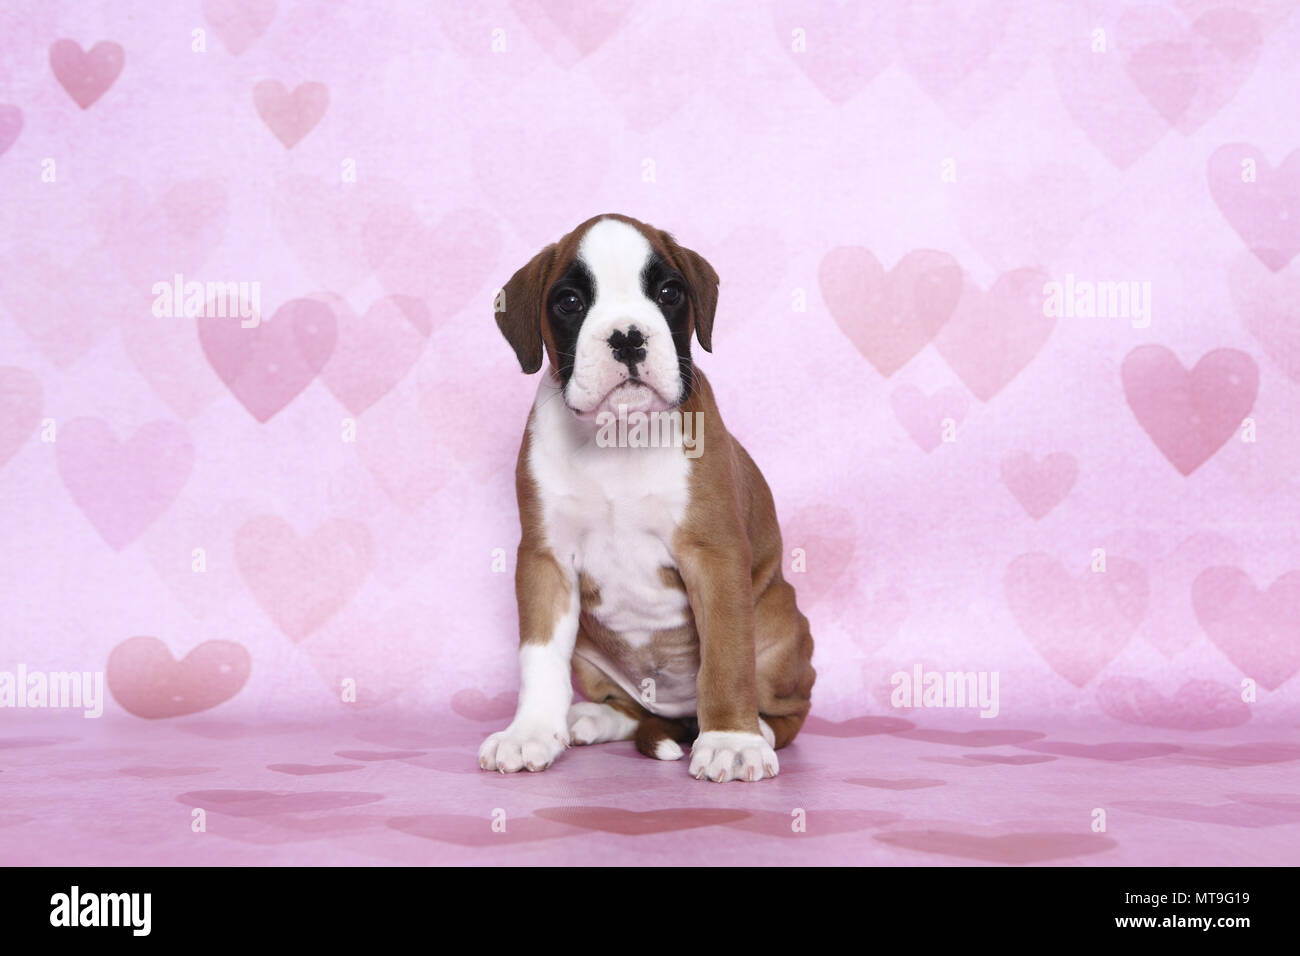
[522, 747]
[721, 756]
[591, 723]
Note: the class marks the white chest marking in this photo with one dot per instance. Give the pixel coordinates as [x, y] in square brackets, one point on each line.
[610, 513]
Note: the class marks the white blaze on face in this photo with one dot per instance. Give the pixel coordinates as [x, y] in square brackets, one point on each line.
[615, 254]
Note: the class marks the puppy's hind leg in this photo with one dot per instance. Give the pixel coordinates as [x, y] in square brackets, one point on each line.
[662, 738]
[591, 723]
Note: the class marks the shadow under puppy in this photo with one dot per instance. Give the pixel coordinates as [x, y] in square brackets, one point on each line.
[649, 569]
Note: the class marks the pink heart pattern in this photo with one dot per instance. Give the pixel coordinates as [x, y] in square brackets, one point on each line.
[374, 350]
[1260, 202]
[301, 584]
[1197, 705]
[1078, 625]
[890, 316]
[1257, 631]
[1265, 302]
[148, 682]
[994, 335]
[86, 76]
[927, 417]
[239, 23]
[1189, 415]
[268, 365]
[290, 116]
[122, 487]
[11, 124]
[1040, 486]
[20, 409]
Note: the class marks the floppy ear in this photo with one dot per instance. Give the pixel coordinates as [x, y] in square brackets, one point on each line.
[703, 283]
[518, 308]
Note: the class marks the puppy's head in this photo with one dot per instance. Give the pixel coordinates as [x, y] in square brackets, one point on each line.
[614, 305]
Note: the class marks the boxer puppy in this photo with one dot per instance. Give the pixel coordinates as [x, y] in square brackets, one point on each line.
[648, 573]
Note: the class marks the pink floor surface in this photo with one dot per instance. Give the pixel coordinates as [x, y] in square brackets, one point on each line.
[875, 790]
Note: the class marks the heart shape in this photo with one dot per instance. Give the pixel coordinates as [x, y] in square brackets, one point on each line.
[476, 705]
[268, 365]
[86, 76]
[1170, 626]
[123, 487]
[1013, 216]
[445, 265]
[1263, 210]
[300, 583]
[238, 22]
[20, 409]
[826, 536]
[944, 41]
[1197, 704]
[992, 336]
[11, 124]
[398, 451]
[640, 823]
[1265, 302]
[1004, 848]
[845, 44]
[1099, 96]
[1258, 632]
[147, 681]
[927, 417]
[1040, 486]
[376, 350]
[204, 522]
[331, 227]
[290, 116]
[381, 656]
[1189, 71]
[889, 316]
[155, 238]
[51, 301]
[1189, 415]
[966, 57]
[571, 31]
[1078, 625]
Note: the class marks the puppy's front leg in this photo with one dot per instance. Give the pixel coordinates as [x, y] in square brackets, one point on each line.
[548, 628]
[730, 745]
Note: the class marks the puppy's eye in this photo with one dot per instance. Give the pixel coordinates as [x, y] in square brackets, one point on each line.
[569, 303]
[670, 294]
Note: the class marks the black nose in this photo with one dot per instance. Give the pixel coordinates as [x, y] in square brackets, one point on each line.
[628, 348]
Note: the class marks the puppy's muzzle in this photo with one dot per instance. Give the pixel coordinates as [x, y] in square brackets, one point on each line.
[628, 348]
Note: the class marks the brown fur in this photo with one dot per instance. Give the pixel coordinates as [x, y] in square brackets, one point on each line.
[753, 646]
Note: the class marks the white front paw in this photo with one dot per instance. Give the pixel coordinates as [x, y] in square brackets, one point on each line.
[522, 746]
[721, 756]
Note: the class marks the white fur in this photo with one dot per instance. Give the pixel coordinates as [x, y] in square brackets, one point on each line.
[591, 723]
[540, 730]
[614, 253]
[668, 750]
[610, 513]
[721, 756]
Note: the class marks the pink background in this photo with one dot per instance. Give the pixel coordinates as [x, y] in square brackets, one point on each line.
[373, 559]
